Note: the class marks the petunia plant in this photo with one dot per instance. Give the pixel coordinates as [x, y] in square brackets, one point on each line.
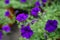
[33, 21]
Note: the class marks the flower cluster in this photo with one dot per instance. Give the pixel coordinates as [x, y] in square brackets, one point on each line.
[22, 15]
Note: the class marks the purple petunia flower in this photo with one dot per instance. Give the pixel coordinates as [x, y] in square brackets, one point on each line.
[51, 25]
[6, 28]
[1, 35]
[44, 1]
[34, 11]
[7, 13]
[37, 3]
[26, 31]
[7, 1]
[22, 17]
[23, 1]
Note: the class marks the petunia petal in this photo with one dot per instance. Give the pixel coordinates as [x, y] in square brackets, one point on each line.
[51, 25]
[7, 13]
[37, 3]
[6, 28]
[26, 32]
[34, 11]
[7, 1]
[22, 17]
[23, 1]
